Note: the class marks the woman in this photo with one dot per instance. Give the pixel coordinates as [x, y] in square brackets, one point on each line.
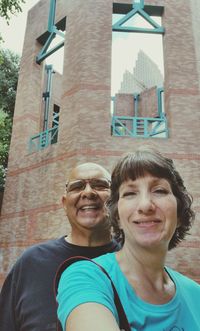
[153, 208]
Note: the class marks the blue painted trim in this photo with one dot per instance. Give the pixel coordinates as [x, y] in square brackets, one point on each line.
[136, 97]
[43, 54]
[141, 127]
[42, 140]
[52, 12]
[47, 95]
[137, 9]
[139, 3]
[159, 92]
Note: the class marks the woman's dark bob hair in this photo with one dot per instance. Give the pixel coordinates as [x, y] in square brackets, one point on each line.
[147, 160]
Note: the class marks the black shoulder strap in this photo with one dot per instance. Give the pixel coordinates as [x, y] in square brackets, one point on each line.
[123, 322]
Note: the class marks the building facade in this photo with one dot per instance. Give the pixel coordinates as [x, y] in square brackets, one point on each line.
[145, 74]
[80, 103]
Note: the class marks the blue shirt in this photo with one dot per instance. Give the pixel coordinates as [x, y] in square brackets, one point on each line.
[84, 282]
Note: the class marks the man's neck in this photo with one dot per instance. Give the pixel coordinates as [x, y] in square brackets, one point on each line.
[88, 240]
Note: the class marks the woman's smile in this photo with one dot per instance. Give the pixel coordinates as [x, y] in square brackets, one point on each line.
[147, 210]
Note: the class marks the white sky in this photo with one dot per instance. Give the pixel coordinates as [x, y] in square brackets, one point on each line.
[125, 48]
[13, 34]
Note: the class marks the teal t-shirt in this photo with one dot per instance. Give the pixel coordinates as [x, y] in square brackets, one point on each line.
[84, 282]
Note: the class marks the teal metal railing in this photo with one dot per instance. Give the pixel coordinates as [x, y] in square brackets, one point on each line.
[143, 127]
[139, 127]
[43, 139]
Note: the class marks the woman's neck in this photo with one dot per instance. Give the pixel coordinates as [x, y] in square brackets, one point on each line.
[146, 273]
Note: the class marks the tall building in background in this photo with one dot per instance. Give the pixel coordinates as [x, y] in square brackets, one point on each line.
[64, 119]
[145, 75]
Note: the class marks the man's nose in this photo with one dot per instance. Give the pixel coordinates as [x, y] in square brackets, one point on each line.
[88, 190]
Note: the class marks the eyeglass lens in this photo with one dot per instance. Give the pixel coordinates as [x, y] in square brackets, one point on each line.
[95, 184]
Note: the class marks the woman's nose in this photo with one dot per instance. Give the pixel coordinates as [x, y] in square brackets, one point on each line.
[145, 203]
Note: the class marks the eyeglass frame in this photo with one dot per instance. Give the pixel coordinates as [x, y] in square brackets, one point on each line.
[88, 181]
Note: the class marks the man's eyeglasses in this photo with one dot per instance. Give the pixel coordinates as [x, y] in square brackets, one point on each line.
[95, 184]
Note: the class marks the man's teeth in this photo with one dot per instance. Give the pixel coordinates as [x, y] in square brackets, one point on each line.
[144, 222]
[88, 207]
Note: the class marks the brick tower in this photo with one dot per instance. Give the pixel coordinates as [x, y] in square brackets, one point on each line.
[44, 148]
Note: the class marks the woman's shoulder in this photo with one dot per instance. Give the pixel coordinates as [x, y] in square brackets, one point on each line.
[85, 274]
[182, 280]
[106, 259]
[86, 266]
[108, 262]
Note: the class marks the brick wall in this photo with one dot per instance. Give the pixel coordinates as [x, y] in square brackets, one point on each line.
[32, 210]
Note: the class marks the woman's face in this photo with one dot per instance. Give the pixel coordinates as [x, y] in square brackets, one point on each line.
[148, 211]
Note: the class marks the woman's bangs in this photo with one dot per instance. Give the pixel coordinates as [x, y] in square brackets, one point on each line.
[137, 167]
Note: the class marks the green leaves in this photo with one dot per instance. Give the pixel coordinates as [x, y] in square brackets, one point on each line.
[9, 68]
[10, 7]
[5, 135]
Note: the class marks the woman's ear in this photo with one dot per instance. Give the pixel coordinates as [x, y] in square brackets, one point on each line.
[178, 223]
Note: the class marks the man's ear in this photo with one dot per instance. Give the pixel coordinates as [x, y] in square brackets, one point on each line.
[64, 203]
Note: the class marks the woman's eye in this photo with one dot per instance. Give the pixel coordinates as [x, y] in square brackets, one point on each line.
[129, 193]
[161, 191]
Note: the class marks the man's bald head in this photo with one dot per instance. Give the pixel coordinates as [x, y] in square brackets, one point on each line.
[88, 170]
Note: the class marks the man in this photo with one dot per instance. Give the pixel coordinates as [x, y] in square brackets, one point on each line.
[27, 300]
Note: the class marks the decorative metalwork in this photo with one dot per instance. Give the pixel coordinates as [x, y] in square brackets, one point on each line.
[47, 95]
[138, 9]
[48, 136]
[52, 31]
[43, 139]
[135, 126]
[139, 127]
